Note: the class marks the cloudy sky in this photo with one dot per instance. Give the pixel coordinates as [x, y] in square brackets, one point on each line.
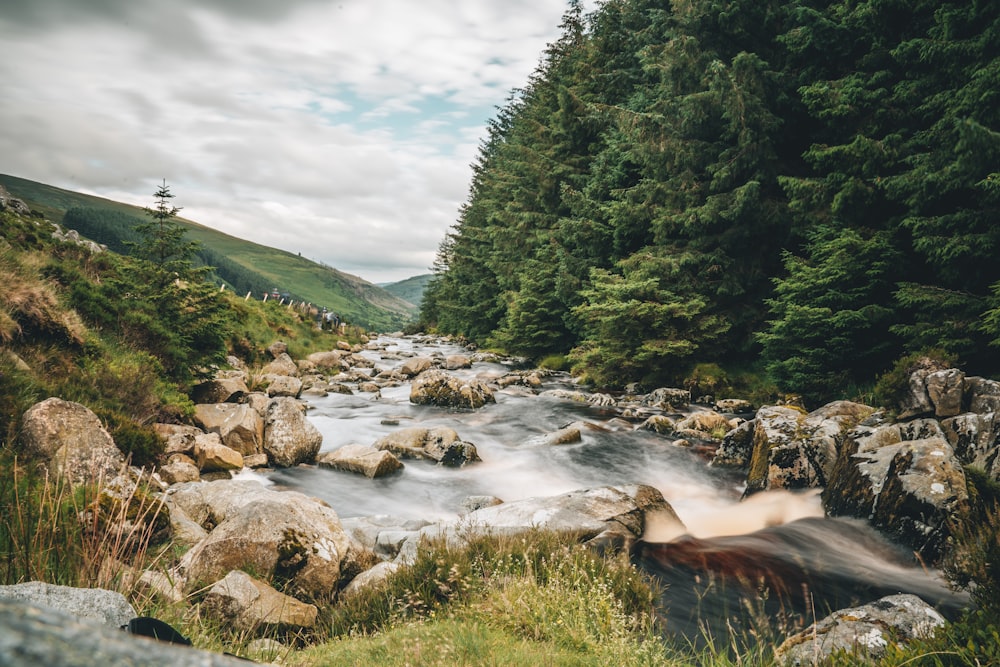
[339, 129]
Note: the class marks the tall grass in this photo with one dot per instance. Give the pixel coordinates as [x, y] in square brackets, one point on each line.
[88, 535]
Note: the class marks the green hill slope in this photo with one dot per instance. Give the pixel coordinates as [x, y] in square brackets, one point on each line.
[355, 299]
[411, 289]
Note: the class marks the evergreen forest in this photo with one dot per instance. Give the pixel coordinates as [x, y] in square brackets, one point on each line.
[809, 189]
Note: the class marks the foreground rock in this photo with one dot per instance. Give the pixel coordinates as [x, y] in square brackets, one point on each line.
[270, 533]
[34, 636]
[434, 387]
[70, 441]
[865, 632]
[107, 607]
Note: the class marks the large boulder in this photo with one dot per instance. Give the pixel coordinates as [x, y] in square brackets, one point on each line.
[363, 459]
[108, 607]
[792, 450]
[864, 632]
[289, 437]
[177, 438]
[981, 395]
[34, 636]
[438, 388]
[905, 479]
[945, 390]
[239, 426]
[238, 600]
[284, 536]
[441, 444]
[70, 441]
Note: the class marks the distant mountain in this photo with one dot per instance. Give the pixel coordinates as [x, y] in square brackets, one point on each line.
[356, 300]
[411, 289]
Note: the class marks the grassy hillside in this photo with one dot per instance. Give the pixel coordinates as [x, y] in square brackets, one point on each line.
[356, 300]
[411, 289]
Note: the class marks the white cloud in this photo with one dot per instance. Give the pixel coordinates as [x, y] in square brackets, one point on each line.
[341, 129]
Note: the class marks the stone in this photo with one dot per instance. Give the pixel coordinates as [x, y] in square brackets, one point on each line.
[864, 632]
[363, 459]
[211, 455]
[667, 398]
[734, 406]
[982, 395]
[108, 607]
[255, 461]
[239, 426]
[283, 385]
[567, 435]
[220, 390]
[34, 636]
[454, 362]
[282, 365]
[795, 450]
[277, 348]
[945, 389]
[177, 438]
[737, 447]
[289, 437]
[248, 604]
[582, 515]
[415, 366]
[473, 503]
[658, 424]
[707, 422]
[908, 489]
[327, 361]
[179, 472]
[441, 444]
[282, 534]
[370, 578]
[438, 388]
[70, 441]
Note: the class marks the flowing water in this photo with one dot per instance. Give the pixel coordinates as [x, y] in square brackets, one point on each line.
[846, 559]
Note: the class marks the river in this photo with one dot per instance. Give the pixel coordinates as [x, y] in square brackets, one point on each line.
[845, 560]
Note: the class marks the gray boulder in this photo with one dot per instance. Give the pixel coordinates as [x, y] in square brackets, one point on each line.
[283, 385]
[362, 459]
[239, 426]
[282, 365]
[70, 441]
[108, 607]
[864, 632]
[327, 361]
[667, 398]
[440, 444]
[240, 601]
[438, 388]
[905, 479]
[34, 636]
[220, 390]
[793, 450]
[270, 533]
[289, 437]
[586, 515]
[415, 366]
[945, 389]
